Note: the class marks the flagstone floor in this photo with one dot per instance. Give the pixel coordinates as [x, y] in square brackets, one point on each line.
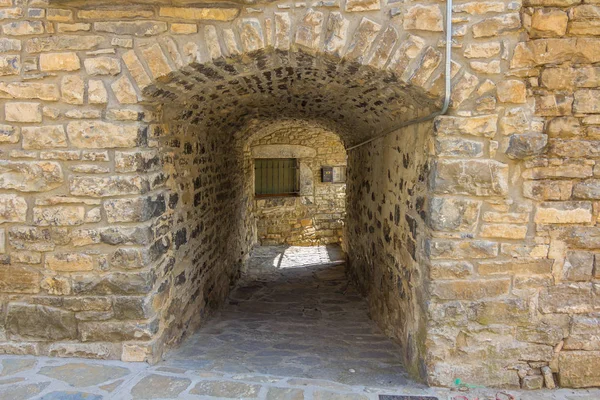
[294, 329]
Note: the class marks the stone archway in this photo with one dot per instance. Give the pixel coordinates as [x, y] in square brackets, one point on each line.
[209, 111]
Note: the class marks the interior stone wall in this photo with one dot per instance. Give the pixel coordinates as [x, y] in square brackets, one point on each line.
[206, 226]
[316, 216]
[386, 233]
[507, 252]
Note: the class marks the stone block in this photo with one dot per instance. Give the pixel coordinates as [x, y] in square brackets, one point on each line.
[30, 176]
[573, 298]
[578, 369]
[116, 283]
[13, 208]
[453, 214]
[44, 137]
[200, 14]
[579, 266]
[511, 91]
[482, 50]
[57, 285]
[23, 28]
[424, 18]
[73, 89]
[308, 33]
[137, 161]
[131, 307]
[458, 147]
[102, 351]
[522, 266]
[102, 66]
[561, 171]
[533, 382]
[69, 262]
[503, 231]
[23, 112]
[587, 101]
[362, 5]
[450, 270]
[63, 43]
[37, 239]
[96, 186]
[184, 29]
[97, 93]
[569, 78]
[115, 331]
[157, 61]
[583, 237]
[9, 134]
[17, 279]
[99, 134]
[505, 311]
[10, 65]
[27, 321]
[115, 13]
[541, 334]
[548, 23]
[58, 215]
[59, 62]
[574, 148]
[453, 249]
[131, 28]
[470, 289]
[525, 145]
[494, 26]
[472, 177]
[584, 20]
[565, 212]
[138, 209]
[587, 190]
[124, 91]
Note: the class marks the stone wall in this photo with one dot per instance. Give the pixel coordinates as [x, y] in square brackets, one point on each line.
[487, 274]
[316, 215]
[387, 188]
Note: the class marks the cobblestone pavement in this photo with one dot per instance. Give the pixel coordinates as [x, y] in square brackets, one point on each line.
[294, 329]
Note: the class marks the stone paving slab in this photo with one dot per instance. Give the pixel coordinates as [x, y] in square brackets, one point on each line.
[143, 381]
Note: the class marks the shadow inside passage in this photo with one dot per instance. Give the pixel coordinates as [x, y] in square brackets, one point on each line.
[295, 314]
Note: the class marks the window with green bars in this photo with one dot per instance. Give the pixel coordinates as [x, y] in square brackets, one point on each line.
[276, 177]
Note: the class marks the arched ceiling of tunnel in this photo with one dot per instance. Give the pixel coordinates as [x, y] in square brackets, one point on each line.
[357, 101]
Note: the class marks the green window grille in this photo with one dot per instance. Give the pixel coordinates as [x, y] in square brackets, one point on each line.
[276, 176]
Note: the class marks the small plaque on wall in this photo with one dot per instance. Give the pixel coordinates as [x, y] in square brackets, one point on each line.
[326, 174]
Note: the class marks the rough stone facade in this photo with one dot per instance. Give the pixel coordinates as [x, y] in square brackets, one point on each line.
[124, 210]
[316, 215]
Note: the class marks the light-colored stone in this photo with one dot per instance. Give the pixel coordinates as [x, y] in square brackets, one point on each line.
[566, 212]
[13, 208]
[102, 66]
[99, 134]
[59, 62]
[23, 112]
[73, 89]
[124, 91]
[200, 14]
[424, 17]
[69, 262]
[512, 91]
[45, 137]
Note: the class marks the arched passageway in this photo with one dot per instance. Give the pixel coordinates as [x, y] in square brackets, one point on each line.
[213, 116]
